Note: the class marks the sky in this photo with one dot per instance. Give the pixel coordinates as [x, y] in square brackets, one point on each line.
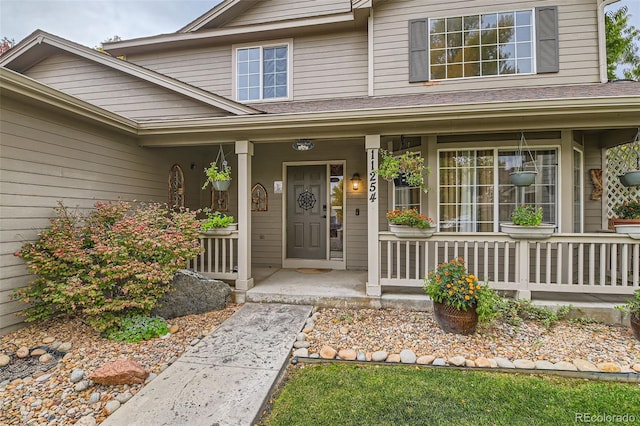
[90, 22]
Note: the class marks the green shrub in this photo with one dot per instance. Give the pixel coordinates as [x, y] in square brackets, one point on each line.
[514, 312]
[134, 328]
[117, 260]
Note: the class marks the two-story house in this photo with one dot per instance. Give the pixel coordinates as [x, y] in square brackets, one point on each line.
[300, 97]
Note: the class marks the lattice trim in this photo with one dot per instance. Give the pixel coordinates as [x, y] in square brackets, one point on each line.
[621, 159]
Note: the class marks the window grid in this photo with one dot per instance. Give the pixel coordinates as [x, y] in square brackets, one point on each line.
[262, 73]
[481, 45]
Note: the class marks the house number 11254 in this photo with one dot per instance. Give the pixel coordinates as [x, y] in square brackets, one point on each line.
[373, 179]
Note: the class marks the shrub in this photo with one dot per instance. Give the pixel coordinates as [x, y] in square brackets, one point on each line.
[513, 312]
[134, 328]
[116, 260]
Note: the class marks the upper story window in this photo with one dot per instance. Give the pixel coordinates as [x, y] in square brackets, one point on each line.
[262, 72]
[481, 45]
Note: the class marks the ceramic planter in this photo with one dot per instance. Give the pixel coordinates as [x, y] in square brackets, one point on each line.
[542, 231]
[523, 178]
[630, 178]
[404, 231]
[213, 232]
[630, 227]
[221, 185]
[453, 320]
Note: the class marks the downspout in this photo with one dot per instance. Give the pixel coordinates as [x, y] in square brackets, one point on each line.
[602, 39]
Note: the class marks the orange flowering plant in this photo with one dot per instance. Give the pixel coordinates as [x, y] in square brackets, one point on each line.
[410, 217]
[451, 284]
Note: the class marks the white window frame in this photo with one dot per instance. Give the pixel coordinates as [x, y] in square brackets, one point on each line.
[272, 43]
[533, 46]
[496, 183]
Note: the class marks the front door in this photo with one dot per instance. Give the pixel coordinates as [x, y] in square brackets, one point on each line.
[307, 212]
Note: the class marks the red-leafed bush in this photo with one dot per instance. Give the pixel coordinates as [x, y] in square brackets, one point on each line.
[119, 259]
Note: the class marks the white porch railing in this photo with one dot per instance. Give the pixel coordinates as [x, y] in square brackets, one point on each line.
[575, 263]
[218, 258]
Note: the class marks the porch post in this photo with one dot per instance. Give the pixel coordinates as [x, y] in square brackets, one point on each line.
[244, 151]
[372, 145]
[522, 248]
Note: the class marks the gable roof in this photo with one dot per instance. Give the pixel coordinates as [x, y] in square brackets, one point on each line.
[219, 15]
[40, 44]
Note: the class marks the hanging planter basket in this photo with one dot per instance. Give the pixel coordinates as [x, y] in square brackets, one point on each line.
[221, 185]
[632, 178]
[401, 180]
[524, 178]
[521, 177]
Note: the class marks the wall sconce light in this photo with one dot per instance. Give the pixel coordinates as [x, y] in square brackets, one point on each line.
[355, 181]
[303, 145]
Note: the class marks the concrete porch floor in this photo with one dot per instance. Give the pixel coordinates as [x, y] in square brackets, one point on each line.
[346, 289]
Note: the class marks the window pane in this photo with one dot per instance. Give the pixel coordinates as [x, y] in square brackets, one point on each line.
[268, 65]
[254, 54]
[281, 91]
[454, 39]
[525, 66]
[507, 51]
[438, 72]
[472, 22]
[507, 67]
[254, 67]
[281, 65]
[472, 69]
[254, 93]
[489, 53]
[471, 54]
[281, 79]
[243, 55]
[437, 41]
[243, 94]
[472, 38]
[523, 17]
[523, 34]
[489, 36]
[454, 24]
[506, 19]
[524, 50]
[269, 92]
[489, 20]
[281, 53]
[436, 25]
[243, 81]
[506, 35]
[243, 68]
[269, 80]
[454, 71]
[269, 54]
[490, 68]
[454, 55]
[438, 56]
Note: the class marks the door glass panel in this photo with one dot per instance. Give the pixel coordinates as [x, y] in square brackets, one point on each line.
[336, 233]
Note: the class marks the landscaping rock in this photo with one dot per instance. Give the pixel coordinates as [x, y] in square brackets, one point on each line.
[379, 356]
[38, 352]
[301, 337]
[48, 340]
[347, 354]
[636, 368]
[95, 397]
[44, 358]
[111, 407]
[65, 347]
[482, 362]
[469, 363]
[298, 344]
[174, 329]
[42, 378]
[192, 293]
[525, 364]
[544, 365]
[407, 356]
[439, 362]
[22, 352]
[504, 363]
[425, 359]
[76, 375]
[564, 365]
[493, 363]
[302, 353]
[584, 365]
[120, 372]
[458, 361]
[609, 367]
[393, 358]
[327, 352]
[123, 397]
[82, 386]
[4, 360]
[361, 356]
[86, 421]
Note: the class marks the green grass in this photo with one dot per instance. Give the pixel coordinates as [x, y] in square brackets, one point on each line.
[338, 394]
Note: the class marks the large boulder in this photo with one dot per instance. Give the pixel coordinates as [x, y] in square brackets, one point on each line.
[192, 293]
[120, 372]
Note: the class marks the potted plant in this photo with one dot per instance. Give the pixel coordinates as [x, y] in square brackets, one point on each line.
[527, 223]
[220, 178]
[217, 223]
[628, 220]
[410, 223]
[632, 177]
[407, 169]
[522, 177]
[459, 300]
[632, 307]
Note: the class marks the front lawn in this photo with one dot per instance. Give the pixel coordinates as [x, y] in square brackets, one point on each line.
[338, 394]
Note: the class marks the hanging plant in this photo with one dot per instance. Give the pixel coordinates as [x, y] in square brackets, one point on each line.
[218, 173]
[522, 177]
[632, 178]
[407, 169]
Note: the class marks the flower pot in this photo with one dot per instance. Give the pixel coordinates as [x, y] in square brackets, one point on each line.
[630, 227]
[401, 180]
[635, 325]
[453, 320]
[523, 178]
[220, 231]
[542, 231]
[221, 185]
[630, 178]
[405, 231]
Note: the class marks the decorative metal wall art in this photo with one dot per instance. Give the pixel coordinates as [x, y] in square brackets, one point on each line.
[219, 200]
[259, 198]
[306, 200]
[176, 187]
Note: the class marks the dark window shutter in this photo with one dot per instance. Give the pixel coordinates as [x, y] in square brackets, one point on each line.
[548, 57]
[418, 50]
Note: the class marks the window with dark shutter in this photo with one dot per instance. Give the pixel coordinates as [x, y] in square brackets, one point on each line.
[548, 57]
[418, 51]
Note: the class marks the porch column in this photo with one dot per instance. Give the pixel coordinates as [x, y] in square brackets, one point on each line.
[522, 277]
[372, 145]
[244, 151]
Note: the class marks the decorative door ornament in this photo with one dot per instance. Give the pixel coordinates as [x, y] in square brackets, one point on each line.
[176, 187]
[306, 200]
[259, 198]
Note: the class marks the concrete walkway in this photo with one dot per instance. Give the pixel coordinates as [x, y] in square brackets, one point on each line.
[226, 378]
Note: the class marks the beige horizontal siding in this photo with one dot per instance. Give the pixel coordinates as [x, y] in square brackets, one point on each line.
[578, 43]
[116, 91]
[46, 158]
[592, 208]
[279, 10]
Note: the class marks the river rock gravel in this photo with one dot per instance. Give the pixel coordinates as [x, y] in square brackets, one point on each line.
[52, 397]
